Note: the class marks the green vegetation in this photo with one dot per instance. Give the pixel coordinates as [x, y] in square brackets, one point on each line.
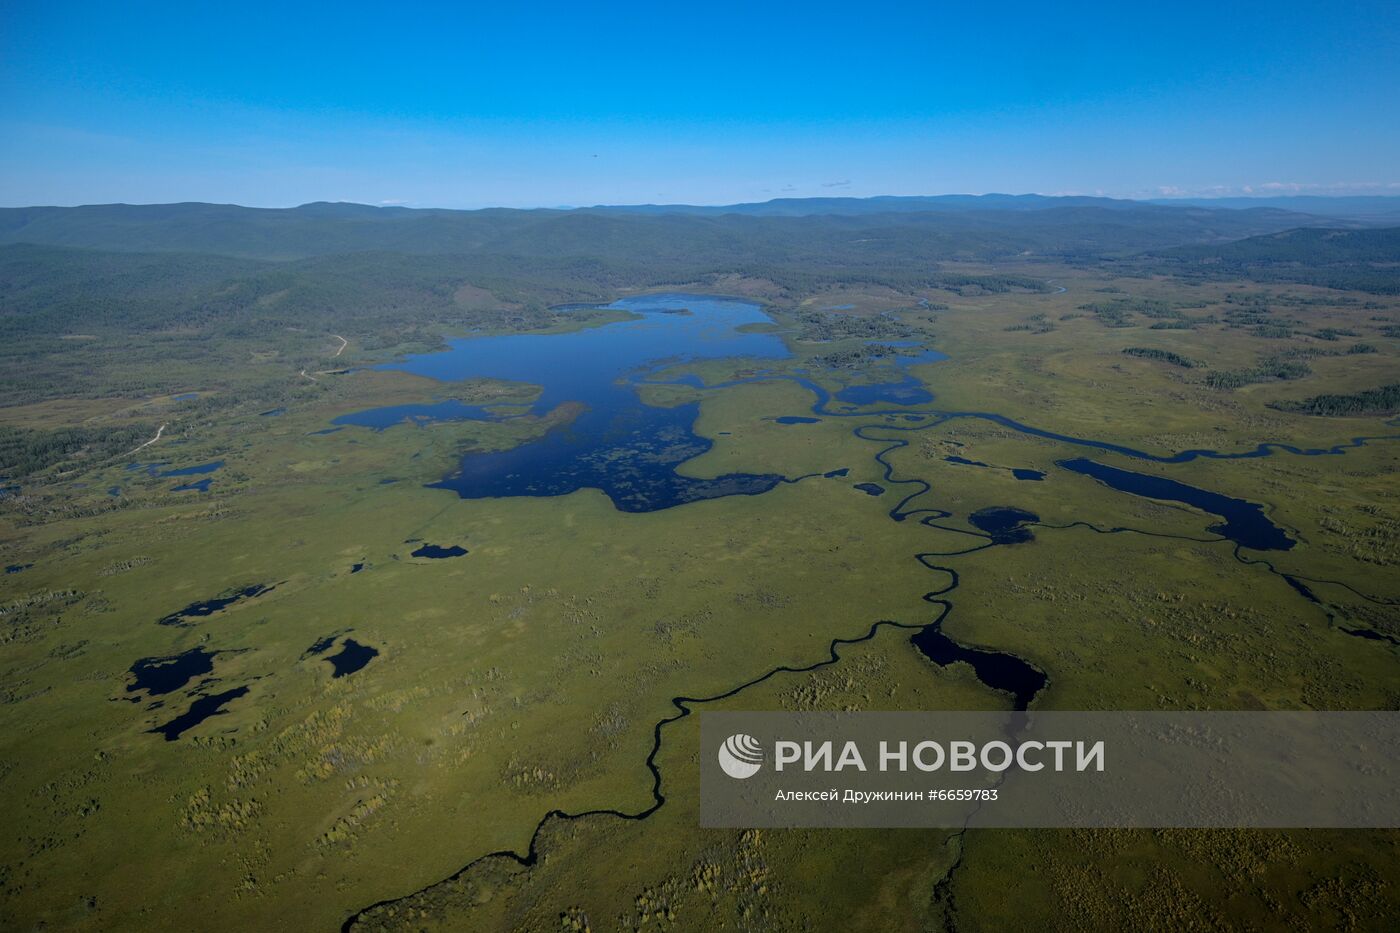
[1165, 315]
[858, 357]
[1382, 401]
[1165, 356]
[529, 674]
[1362, 260]
[1275, 368]
[888, 245]
[26, 451]
[1111, 314]
[828, 325]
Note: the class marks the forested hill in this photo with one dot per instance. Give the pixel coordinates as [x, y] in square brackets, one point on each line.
[1361, 259]
[1303, 245]
[804, 207]
[990, 229]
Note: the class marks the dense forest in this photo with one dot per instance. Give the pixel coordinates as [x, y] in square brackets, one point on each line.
[878, 235]
[1165, 356]
[1381, 401]
[1274, 368]
[93, 300]
[25, 451]
[1363, 260]
[86, 307]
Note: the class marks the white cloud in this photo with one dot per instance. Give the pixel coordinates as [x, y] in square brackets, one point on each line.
[1279, 188]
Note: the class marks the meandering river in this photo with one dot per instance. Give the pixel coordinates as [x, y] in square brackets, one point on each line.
[630, 451]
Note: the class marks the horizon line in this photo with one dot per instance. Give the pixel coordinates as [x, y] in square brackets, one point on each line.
[383, 205]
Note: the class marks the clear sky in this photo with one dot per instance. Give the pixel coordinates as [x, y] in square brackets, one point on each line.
[519, 104]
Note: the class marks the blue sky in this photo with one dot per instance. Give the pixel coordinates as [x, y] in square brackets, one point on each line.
[469, 105]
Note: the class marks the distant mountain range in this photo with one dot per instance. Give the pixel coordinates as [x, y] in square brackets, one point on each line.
[797, 207]
[992, 226]
[1380, 207]
[889, 204]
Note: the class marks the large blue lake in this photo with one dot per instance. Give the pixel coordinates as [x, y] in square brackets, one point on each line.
[631, 450]
[627, 449]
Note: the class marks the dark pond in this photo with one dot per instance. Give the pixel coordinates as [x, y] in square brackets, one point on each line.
[150, 469]
[351, 658]
[1005, 525]
[199, 485]
[437, 551]
[272, 412]
[796, 419]
[1032, 475]
[998, 671]
[357, 568]
[158, 676]
[321, 644]
[1265, 449]
[835, 473]
[1245, 522]
[210, 606]
[1301, 588]
[1372, 635]
[199, 710]
[16, 568]
[186, 397]
[326, 431]
[908, 391]
[193, 470]
[871, 489]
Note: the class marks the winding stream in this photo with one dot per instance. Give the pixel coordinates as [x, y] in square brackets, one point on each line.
[630, 450]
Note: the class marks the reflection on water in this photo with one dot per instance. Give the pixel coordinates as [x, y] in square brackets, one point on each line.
[616, 443]
[1245, 522]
